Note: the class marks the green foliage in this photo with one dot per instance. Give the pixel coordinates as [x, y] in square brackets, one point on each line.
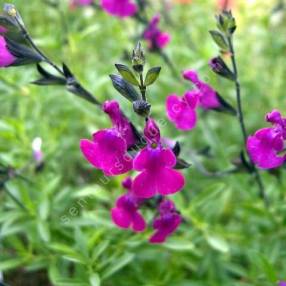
[228, 237]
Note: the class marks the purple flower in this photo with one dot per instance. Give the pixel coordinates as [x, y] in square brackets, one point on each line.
[119, 8]
[6, 58]
[156, 166]
[154, 36]
[37, 150]
[125, 214]
[282, 283]
[119, 121]
[182, 110]
[108, 149]
[208, 96]
[77, 3]
[168, 221]
[266, 144]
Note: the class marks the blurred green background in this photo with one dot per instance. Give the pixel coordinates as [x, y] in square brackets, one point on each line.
[67, 237]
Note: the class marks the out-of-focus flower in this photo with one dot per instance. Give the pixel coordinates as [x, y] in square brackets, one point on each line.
[37, 150]
[77, 3]
[182, 1]
[125, 214]
[167, 223]
[38, 154]
[119, 8]
[6, 58]
[208, 96]
[282, 283]
[182, 110]
[154, 36]
[225, 4]
[265, 147]
[156, 166]
[108, 149]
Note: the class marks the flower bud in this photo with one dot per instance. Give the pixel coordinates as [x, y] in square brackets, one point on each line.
[219, 67]
[138, 58]
[152, 132]
[142, 108]
[226, 22]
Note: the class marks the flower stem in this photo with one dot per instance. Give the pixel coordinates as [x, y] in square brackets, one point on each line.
[142, 87]
[30, 40]
[256, 173]
[15, 199]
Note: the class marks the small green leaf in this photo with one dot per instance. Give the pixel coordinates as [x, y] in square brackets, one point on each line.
[124, 88]
[127, 74]
[94, 279]
[218, 243]
[44, 231]
[12, 263]
[118, 264]
[219, 39]
[152, 75]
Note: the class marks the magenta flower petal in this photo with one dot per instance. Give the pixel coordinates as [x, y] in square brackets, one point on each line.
[6, 58]
[169, 181]
[89, 150]
[158, 237]
[163, 39]
[274, 117]
[191, 75]
[181, 113]
[119, 8]
[168, 221]
[167, 158]
[107, 152]
[152, 132]
[208, 96]
[121, 217]
[263, 148]
[282, 283]
[154, 36]
[127, 183]
[126, 214]
[155, 164]
[138, 222]
[157, 176]
[145, 185]
[120, 122]
[141, 161]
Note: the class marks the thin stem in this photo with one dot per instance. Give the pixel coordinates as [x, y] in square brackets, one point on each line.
[30, 40]
[169, 63]
[256, 173]
[15, 199]
[142, 87]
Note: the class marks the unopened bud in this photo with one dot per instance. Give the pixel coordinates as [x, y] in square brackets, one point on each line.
[138, 58]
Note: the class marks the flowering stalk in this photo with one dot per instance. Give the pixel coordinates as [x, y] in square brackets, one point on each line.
[10, 174]
[224, 39]
[241, 121]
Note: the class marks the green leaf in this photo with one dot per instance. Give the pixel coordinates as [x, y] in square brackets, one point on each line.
[44, 231]
[68, 282]
[124, 88]
[127, 74]
[12, 263]
[94, 279]
[44, 208]
[118, 264]
[218, 243]
[219, 39]
[179, 245]
[152, 75]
